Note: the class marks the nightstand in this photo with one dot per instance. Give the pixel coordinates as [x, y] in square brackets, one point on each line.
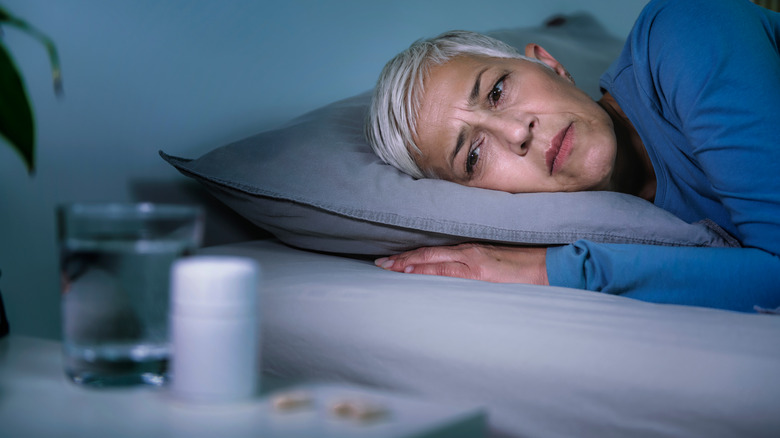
[37, 400]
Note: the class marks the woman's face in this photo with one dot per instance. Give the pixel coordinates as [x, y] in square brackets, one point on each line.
[513, 125]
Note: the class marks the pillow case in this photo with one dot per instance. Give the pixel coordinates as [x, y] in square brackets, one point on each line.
[316, 184]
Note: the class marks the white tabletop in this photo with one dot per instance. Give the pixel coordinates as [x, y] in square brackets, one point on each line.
[37, 400]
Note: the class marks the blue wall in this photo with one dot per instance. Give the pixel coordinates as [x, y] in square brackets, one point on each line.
[186, 76]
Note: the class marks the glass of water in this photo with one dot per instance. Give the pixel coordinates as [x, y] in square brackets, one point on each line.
[115, 264]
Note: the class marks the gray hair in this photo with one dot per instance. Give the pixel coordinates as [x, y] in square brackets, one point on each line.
[391, 124]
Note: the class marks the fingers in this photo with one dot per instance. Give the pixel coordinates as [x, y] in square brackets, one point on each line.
[474, 261]
[444, 268]
[405, 262]
[395, 263]
[447, 261]
[447, 269]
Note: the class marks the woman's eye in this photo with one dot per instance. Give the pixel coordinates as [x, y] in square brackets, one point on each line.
[495, 94]
[472, 160]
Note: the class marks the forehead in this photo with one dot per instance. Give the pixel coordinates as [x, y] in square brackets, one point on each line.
[443, 106]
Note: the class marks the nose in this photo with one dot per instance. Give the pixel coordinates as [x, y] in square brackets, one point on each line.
[514, 130]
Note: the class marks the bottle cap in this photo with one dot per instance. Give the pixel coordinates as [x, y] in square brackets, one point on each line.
[215, 286]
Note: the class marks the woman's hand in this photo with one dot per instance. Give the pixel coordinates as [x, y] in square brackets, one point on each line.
[499, 264]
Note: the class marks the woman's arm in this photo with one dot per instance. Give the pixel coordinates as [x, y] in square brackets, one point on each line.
[725, 278]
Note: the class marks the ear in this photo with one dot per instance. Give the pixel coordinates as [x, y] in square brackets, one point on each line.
[538, 52]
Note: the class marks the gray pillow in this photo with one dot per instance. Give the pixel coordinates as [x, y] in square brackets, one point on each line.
[315, 183]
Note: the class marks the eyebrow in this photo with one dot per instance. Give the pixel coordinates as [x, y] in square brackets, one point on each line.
[472, 100]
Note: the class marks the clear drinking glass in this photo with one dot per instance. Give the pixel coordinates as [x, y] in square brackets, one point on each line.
[115, 264]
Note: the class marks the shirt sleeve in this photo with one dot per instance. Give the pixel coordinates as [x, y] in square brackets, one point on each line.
[726, 278]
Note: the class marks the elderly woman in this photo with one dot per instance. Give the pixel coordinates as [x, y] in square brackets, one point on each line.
[688, 120]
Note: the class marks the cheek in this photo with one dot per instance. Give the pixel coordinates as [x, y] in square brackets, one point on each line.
[514, 174]
[599, 162]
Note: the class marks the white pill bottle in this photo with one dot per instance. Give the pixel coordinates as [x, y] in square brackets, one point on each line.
[215, 328]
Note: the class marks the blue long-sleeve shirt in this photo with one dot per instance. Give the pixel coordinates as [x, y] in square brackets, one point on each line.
[700, 81]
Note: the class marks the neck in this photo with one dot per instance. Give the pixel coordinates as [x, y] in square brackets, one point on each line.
[634, 173]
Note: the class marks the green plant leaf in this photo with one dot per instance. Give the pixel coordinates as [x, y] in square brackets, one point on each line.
[51, 49]
[16, 118]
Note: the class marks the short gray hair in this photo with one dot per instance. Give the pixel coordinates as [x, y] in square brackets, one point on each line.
[391, 124]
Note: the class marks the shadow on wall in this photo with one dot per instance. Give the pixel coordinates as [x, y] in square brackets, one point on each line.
[223, 225]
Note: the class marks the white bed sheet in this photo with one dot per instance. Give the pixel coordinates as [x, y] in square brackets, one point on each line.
[544, 361]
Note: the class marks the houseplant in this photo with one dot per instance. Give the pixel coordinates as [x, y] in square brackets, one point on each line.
[17, 124]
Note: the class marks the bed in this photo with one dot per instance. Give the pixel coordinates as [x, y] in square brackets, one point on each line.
[543, 361]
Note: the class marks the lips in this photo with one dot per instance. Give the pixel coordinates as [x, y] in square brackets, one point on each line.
[560, 148]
